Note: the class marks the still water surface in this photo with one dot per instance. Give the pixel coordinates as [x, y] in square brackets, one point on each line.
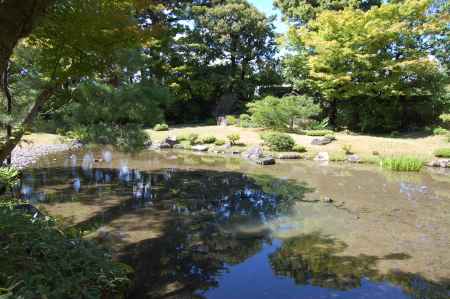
[195, 226]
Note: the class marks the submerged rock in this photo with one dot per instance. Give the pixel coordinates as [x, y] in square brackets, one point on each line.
[161, 145]
[322, 157]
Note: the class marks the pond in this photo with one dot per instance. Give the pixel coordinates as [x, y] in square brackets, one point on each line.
[199, 226]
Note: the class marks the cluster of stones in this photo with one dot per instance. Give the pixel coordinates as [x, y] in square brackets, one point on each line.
[443, 163]
[23, 157]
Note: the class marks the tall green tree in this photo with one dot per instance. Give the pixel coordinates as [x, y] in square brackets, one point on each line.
[380, 54]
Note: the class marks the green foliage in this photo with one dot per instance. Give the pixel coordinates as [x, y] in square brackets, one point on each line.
[354, 62]
[282, 113]
[231, 120]
[316, 133]
[234, 138]
[9, 178]
[440, 131]
[193, 138]
[402, 163]
[161, 127]
[41, 260]
[445, 118]
[245, 121]
[219, 142]
[347, 148]
[208, 139]
[442, 153]
[299, 148]
[278, 141]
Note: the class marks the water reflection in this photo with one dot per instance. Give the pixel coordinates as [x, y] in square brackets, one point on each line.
[210, 223]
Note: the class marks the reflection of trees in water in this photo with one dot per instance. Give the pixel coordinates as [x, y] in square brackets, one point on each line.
[199, 238]
[318, 260]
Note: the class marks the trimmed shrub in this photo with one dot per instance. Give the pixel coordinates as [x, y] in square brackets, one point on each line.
[219, 142]
[234, 138]
[39, 259]
[193, 138]
[442, 153]
[299, 148]
[317, 133]
[231, 120]
[208, 139]
[278, 142]
[402, 163]
[182, 137]
[161, 127]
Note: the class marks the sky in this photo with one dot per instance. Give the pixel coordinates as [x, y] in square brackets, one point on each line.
[266, 6]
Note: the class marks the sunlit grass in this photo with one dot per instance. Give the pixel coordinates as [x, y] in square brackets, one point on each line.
[402, 163]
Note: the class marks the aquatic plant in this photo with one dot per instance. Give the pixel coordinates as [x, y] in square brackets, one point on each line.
[317, 133]
[402, 163]
[299, 148]
[347, 148]
[219, 142]
[208, 139]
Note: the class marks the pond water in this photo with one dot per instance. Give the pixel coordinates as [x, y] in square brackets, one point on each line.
[198, 226]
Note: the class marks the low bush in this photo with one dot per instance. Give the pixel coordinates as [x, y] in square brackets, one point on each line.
[208, 139]
[234, 138]
[193, 138]
[278, 142]
[402, 163]
[445, 118]
[299, 148]
[39, 259]
[442, 153]
[183, 137]
[219, 142]
[231, 120]
[440, 131]
[317, 133]
[161, 127]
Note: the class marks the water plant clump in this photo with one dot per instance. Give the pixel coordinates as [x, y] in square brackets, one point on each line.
[402, 163]
[442, 153]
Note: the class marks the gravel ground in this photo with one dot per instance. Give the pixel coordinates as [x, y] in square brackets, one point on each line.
[25, 156]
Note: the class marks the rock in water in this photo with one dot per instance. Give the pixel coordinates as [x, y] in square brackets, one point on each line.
[200, 148]
[353, 159]
[266, 161]
[322, 157]
[254, 153]
[289, 156]
[171, 140]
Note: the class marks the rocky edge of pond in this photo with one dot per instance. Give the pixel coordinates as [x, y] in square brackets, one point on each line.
[256, 153]
[23, 157]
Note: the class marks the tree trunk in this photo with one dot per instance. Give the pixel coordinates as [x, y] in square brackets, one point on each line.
[7, 148]
[332, 114]
[17, 18]
[5, 89]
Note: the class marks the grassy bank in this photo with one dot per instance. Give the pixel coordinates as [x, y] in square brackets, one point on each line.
[368, 148]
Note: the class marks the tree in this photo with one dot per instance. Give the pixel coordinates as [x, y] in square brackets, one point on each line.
[300, 12]
[76, 41]
[380, 55]
[17, 19]
[282, 113]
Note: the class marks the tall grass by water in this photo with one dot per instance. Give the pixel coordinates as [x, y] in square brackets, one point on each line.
[402, 163]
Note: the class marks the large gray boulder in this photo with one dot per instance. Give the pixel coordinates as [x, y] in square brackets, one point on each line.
[266, 161]
[322, 141]
[171, 140]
